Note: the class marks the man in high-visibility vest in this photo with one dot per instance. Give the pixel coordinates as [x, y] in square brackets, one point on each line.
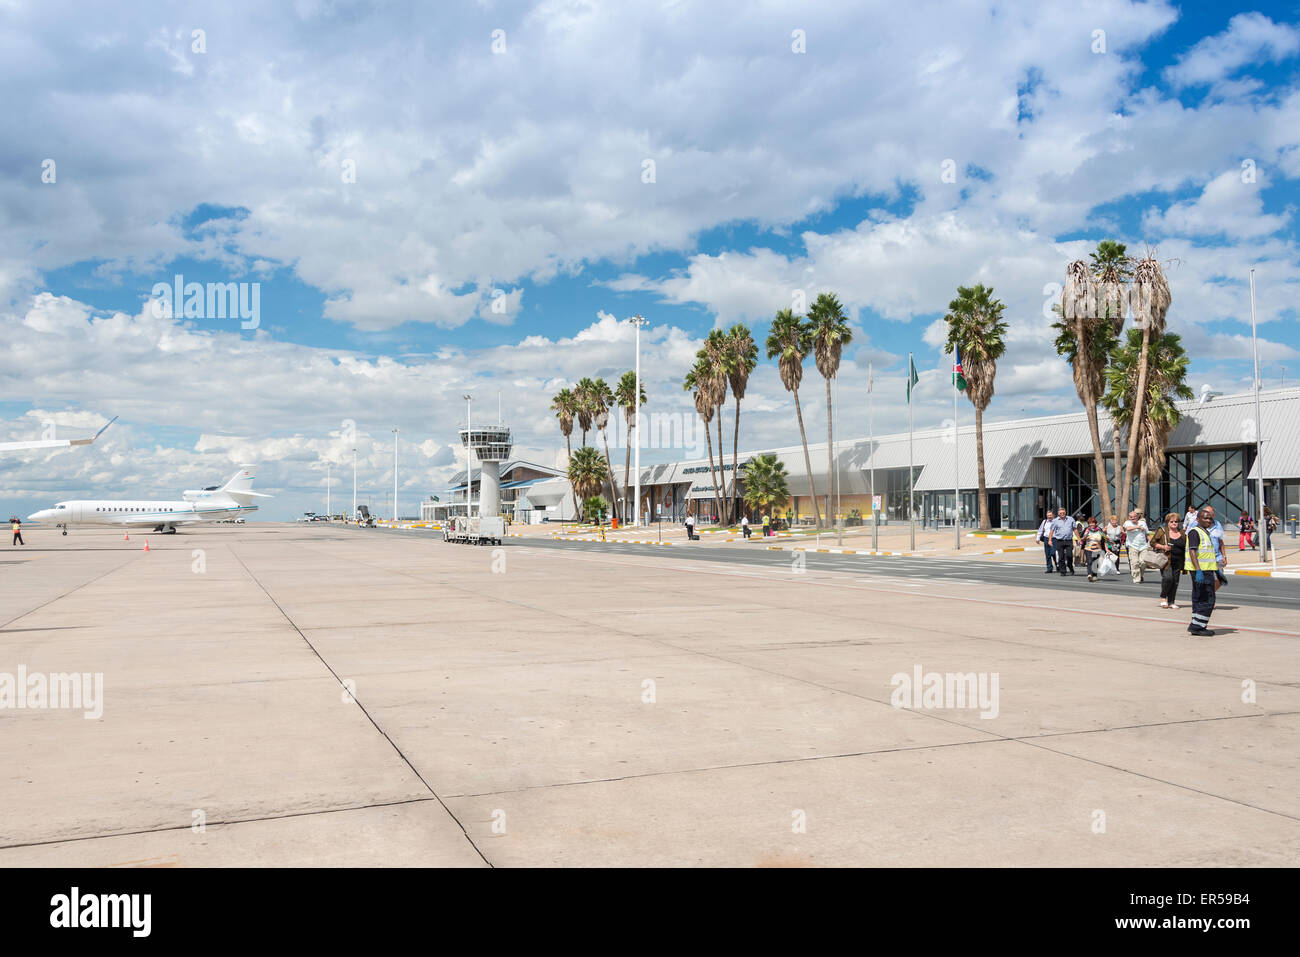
[18, 532]
[1203, 565]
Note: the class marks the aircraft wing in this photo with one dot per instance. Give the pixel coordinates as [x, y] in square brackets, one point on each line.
[52, 443]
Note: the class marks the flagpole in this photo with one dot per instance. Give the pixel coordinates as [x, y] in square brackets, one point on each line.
[956, 459]
[911, 515]
[871, 442]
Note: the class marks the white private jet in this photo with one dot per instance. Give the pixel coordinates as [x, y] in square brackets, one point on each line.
[213, 504]
[53, 443]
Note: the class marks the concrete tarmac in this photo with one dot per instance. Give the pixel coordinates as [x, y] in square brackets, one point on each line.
[314, 695]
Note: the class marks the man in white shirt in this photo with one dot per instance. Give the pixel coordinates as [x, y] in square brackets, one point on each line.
[744, 525]
[1136, 536]
[690, 527]
[1044, 538]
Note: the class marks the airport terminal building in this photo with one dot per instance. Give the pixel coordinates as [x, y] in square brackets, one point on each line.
[1031, 464]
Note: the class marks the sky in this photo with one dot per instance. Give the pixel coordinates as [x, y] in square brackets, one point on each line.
[419, 201]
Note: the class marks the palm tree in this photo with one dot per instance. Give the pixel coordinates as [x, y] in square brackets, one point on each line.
[1086, 343]
[765, 483]
[586, 405]
[702, 383]
[830, 334]
[628, 401]
[975, 327]
[587, 472]
[602, 401]
[565, 404]
[1166, 383]
[1089, 365]
[717, 349]
[1149, 299]
[1113, 270]
[788, 338]
[743, 355]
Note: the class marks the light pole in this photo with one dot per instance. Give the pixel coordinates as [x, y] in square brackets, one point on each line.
[354, 485]
[329, 516]
[638, 321]
[1261, 523]
[469, 465]
[394, 476]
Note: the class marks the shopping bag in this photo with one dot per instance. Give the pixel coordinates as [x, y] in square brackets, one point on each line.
[1106, 566]
[1155, 559]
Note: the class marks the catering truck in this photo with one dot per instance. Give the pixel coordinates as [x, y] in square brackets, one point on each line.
[474, 531]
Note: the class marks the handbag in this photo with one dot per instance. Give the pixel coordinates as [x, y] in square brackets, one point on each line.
[1155, 559]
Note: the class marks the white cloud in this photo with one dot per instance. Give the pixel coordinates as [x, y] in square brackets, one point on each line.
[1227, 206]
[1249, 38]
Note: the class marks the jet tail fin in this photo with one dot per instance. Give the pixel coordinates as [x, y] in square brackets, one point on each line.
[240, 485]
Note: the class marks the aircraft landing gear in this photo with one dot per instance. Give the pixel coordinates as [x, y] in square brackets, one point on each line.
[65, 529]
[170, 530]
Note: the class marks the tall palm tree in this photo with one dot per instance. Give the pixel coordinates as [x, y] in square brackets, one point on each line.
[1086, 335]
[602, 401]
[976, 328]
[788, 338]
[701, 381]
[1113, 269]
[743, 358]
[627, 399]
[1149, 299]
[1087, 347]
[766, 483]
[587, 472]
[830, 334]
[1166, 383]
[717, 351]
[584, 391]
[565, 406]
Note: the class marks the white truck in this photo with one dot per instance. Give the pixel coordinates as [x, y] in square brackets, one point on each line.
[474, 531]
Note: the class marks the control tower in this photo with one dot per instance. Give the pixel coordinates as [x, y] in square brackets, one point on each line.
[491, 446]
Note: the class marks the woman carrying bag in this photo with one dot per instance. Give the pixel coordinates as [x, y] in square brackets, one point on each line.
[1169, 543]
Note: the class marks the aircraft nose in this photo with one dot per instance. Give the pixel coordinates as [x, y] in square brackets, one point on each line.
[40, 516]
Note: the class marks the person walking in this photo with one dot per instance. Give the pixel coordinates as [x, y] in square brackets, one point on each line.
[767, 525]
[1271, 522]
[744, 525]
[1044, 538]
[1171, 541]
[18, 532]
[1094, 546]
[1063, 540]
[1137, 537]
[1114, 538]
[690, 526]
[1245, 532]
[1189, 519]
[1202, 563]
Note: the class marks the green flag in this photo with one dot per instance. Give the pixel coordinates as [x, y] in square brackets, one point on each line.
[912, 377]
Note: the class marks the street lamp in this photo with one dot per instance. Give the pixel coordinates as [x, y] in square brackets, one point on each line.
[329, 515]
[638, 321]
[394, 476]
[354, 485]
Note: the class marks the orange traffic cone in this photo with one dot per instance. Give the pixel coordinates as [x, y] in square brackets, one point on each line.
[146, 544]
[126, 537]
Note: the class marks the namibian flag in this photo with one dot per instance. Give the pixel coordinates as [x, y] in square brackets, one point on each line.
[957, 377]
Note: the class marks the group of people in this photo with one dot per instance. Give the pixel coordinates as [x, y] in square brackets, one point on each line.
[1191, 544]
[769, 526]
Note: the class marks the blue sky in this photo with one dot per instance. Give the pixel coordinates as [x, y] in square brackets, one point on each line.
[516, 175]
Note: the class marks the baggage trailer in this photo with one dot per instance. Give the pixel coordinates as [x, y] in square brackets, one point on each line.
[475, 531]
